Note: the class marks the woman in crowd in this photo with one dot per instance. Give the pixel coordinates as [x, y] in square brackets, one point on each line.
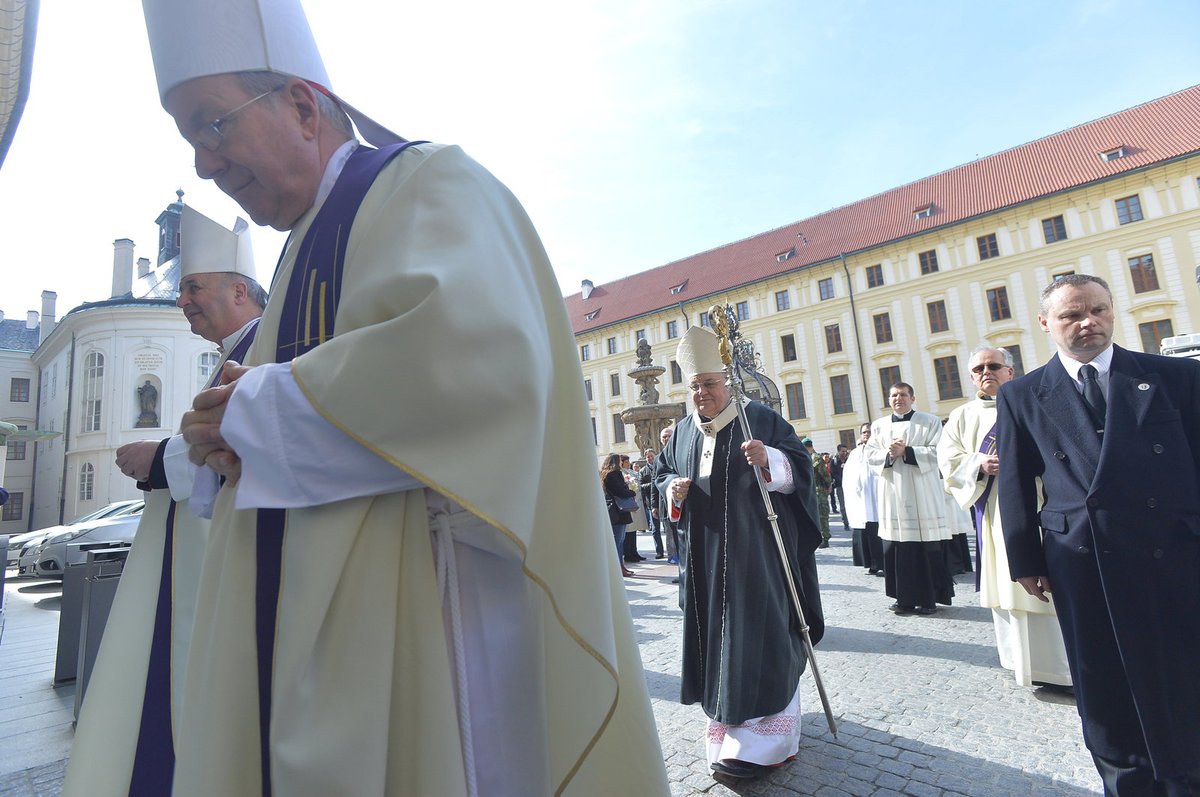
[613, 480]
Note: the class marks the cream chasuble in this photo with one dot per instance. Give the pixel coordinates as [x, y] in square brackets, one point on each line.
[452, 356]
[1028, 636]
[103, 751]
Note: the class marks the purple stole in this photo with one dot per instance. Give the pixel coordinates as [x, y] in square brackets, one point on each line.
[309, 309]
[154, 756]
[987, 448]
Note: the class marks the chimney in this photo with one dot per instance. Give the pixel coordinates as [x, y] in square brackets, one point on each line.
[122, 282]
[143, 266]
[1, 315]
[31, 319]
[49, 299]
[587, 288]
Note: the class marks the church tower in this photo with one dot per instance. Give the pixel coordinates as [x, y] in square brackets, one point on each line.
[168, 229]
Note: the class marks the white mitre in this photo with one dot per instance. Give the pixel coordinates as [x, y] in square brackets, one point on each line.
[205, 247]
[698, 353]
[198, 38]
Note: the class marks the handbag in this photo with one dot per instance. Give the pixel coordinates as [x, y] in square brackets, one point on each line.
[629, 504]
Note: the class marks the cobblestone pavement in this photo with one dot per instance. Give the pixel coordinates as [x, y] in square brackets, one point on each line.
[922, 705]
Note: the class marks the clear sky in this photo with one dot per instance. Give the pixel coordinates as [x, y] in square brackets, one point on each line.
[635, 132]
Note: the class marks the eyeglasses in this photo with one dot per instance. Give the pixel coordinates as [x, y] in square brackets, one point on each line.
[706, 385]
[978, 369]
[211, 135]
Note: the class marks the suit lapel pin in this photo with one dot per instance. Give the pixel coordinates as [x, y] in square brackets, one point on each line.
[1143, 386]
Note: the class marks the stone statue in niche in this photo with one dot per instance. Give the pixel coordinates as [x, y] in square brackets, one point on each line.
[148, 401]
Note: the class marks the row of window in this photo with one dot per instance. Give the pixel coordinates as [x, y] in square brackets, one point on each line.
[946, 373]
[1141, 270]
[612, 347]
[1053, 229]
[93, 385]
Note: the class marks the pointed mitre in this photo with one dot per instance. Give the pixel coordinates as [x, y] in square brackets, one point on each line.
[197, 38]
[698, 353]
[205, 247]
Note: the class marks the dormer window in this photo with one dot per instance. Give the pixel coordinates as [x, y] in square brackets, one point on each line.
[788, 255]
[593, 315]
[1113, 154]
[679, 288]
[924, 212]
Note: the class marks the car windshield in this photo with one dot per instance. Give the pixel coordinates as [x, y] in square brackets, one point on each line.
[99, 513]
[112, 510]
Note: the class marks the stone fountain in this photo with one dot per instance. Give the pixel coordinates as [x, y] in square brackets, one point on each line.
[649, 417]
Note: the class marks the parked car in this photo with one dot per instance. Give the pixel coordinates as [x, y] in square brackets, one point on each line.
[59, 550]
[22, 548]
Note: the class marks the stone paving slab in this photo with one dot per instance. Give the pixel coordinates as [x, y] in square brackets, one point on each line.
[922, 705]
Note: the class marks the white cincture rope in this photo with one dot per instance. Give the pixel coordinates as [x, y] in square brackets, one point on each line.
[447, 576]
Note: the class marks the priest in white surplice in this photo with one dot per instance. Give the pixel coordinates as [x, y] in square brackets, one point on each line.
[861, 504]
[902, 451]
[1028, 636]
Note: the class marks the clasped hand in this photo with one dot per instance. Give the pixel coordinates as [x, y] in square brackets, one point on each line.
[201, 427]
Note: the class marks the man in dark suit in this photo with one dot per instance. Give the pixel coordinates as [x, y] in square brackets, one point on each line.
[650, 502]
[1114, 437]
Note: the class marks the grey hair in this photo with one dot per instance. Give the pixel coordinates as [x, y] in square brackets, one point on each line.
[260, 81]
[254, 291]
[1078, 280]
[982, 347]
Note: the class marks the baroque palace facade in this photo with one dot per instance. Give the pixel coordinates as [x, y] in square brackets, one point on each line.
[108, 372]
[902, 286]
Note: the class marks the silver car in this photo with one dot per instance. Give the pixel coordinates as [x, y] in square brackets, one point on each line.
[21, 547]
[50, 556]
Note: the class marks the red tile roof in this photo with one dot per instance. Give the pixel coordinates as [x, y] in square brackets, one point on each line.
[1155, 132]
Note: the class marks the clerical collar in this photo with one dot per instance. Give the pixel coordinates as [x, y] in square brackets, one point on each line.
[333, 170]
[897, 418]
[710, 427]
[709, 430]
[233, 340]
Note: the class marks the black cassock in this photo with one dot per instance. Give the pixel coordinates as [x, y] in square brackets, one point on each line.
[742, 655]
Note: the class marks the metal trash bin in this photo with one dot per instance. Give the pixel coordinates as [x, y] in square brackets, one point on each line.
[101, 575]
[70, 616]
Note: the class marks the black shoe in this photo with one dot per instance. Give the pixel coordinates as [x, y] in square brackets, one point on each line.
[824, 544]
[901, 610]
[674, 581]
[926, 610]
[1061, 689]
[660, 556]
[742, 770]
